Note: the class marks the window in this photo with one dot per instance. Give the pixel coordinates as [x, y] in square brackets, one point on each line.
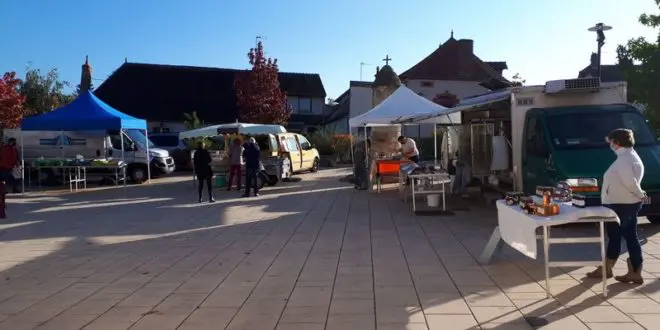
[427, 84]
[304, 105]
[292, 144]
[304, 143]
[535, 141]
[588, 130]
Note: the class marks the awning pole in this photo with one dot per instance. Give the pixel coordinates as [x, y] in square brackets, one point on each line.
[435, 143]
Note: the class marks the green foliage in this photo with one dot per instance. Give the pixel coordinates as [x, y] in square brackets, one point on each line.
[639, 61]
[330, 144]
[44, 93]
[191, 120]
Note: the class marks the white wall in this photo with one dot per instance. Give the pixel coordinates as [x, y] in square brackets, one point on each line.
[462, 89]
[360, 100]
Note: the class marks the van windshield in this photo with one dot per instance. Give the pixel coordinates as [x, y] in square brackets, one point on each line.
[588, 130]
[138, 137]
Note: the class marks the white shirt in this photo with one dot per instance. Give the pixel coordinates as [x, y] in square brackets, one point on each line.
[409, 148]
[621, 182]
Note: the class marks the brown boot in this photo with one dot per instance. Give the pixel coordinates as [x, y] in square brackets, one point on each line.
[598, 272]
[632, 276]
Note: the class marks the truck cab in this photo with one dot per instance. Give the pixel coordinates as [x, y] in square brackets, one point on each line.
[569, 142]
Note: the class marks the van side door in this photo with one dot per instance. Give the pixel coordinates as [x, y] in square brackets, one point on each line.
[307, 152]
[536, 154]
[294, 152]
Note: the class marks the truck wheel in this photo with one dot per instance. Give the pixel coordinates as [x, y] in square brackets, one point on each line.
[653, 218]
[138, 174]
[272, 180]
[315, 166]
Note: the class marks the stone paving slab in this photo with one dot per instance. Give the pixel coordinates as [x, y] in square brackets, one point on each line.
[309, 255]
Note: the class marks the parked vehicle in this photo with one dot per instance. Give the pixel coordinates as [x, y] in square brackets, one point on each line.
[302, 154]
[175, 146]
[95, 144]
[554, 132]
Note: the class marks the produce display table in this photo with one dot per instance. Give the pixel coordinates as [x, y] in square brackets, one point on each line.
[518, 230]
[76, 174]
[428, 183]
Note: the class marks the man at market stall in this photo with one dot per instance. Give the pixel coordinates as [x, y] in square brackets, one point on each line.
[409, 148]
[251, 155]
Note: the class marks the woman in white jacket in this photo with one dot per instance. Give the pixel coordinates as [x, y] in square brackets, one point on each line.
[623, 193]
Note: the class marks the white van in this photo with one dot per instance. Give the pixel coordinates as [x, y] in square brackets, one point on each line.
[95, 144]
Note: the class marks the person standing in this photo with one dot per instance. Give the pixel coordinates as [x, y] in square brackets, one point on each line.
[8, 161]
[409, 149]
[235, 164]
[251, 155]
[202, 163]
[623, 193]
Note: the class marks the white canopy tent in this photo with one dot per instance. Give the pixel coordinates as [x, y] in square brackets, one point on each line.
[240, 128]
[403, 103]
[452, 115]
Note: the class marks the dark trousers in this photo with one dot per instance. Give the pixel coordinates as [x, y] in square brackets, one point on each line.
[234, 172]
[414, 159]
[11, 182]
[209, 185]
[251, 180]
[627, 229]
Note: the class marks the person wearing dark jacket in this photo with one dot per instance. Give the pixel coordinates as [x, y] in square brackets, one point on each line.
[202, 163]
[251, 155]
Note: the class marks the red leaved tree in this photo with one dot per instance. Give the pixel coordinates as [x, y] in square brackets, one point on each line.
[258, 95]
[11, 103]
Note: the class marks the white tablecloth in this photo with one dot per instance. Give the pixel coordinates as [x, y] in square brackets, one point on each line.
[519, 229]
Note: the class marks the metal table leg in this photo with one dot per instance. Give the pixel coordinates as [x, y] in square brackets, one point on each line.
[412, 184]
[494, 243]
[546, 263]
[603, 256]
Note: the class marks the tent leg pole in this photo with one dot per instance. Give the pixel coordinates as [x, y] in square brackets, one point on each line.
[435, 144]
[146, 135]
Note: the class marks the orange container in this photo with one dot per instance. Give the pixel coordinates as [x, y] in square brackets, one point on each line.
[388, 167]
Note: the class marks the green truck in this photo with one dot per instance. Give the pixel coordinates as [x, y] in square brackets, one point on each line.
[553, 132]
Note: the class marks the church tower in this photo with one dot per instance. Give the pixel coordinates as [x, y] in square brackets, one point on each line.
[85, 77]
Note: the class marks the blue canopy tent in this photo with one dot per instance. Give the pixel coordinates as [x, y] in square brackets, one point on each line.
[86, 113]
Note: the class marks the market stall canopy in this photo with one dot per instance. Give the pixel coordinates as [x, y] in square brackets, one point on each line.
[87, 112]
[233, 128]
[401, 104]
[465, 105]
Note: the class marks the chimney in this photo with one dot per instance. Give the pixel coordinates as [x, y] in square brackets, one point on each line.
[85, 76]
[466, 45]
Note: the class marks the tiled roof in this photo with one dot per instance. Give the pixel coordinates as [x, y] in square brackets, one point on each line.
[608, 73]
[455, 60]
[165, 92]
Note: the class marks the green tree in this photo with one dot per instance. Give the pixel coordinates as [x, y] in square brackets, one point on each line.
[191, 120]
[44, 93]
[639, 61]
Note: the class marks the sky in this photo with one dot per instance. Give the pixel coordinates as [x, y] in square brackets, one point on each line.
[540, 40]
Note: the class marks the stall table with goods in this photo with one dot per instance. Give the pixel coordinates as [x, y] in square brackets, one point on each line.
[74, 171]
[519, 216]
[429, 180]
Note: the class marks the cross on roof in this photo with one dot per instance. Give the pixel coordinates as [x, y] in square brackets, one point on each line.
[387, 59]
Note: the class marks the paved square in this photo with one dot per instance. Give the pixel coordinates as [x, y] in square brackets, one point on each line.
[309, 255]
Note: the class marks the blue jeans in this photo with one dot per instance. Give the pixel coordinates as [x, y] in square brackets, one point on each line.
[627, 229]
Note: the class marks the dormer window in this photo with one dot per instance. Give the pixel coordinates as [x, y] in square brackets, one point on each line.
[427, 84]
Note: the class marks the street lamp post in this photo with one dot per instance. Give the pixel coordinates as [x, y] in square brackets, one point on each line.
[600, 29]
